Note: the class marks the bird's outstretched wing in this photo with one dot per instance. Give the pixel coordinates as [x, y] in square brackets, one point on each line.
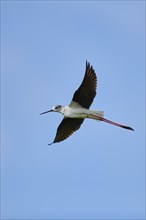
[85, 94]
[66, 128]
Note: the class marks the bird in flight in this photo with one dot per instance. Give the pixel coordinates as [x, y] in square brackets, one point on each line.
[75, 113]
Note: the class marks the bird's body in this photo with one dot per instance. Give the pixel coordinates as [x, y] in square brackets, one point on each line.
[75, 113]
[78, 112]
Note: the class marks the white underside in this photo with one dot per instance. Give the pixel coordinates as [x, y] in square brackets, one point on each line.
[79, 112]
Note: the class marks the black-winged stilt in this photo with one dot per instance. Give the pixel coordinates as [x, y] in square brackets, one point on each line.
[78, 109]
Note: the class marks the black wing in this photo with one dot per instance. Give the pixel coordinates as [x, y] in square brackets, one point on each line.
[66, 128]
[85, 94]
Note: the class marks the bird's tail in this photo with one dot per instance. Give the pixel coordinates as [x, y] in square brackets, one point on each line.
[97, 114]
[100, 118]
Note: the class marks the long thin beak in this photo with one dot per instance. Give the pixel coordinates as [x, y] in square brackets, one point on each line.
[46, 112]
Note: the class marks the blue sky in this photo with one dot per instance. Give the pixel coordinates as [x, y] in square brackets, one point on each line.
[99, 172]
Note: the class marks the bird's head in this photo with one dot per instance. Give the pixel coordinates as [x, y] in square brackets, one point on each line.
[57, 108]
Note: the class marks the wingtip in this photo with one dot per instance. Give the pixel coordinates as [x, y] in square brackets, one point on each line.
[88, 66]
[51, 143]
[87, 63]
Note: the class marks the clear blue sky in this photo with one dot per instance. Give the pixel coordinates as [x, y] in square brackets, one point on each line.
[97, 173]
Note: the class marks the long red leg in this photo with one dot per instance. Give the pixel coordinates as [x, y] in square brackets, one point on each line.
[111, 122]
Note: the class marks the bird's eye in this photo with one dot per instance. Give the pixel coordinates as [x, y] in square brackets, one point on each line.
[57, 107]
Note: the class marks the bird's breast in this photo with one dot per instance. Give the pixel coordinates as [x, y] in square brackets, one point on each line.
[75, 112]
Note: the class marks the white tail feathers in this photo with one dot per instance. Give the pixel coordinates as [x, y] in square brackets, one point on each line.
[101, 114]
[97, 113]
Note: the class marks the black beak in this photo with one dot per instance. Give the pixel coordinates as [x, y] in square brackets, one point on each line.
[46, 112]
